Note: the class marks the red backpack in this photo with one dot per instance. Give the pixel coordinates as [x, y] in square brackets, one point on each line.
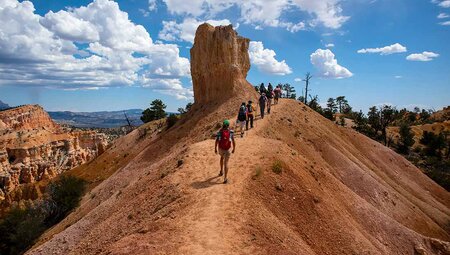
[225, 141]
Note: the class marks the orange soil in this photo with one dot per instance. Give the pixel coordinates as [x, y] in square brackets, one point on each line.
[339, 193]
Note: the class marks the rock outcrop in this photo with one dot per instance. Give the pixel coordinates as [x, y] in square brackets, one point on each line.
[27, 117]
[33, 148]
[219, 64]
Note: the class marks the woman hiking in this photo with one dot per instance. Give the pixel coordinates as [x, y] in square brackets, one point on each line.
[224, 142]
[250, 110]
[262, 104]
[242, 118]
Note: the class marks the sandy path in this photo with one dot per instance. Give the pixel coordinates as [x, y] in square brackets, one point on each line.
[214, 224]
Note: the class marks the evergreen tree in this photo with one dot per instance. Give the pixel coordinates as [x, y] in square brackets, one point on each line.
[155, 112]
[406, 139]
[331, 105]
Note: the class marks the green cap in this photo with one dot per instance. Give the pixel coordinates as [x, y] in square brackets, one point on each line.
[226, 123]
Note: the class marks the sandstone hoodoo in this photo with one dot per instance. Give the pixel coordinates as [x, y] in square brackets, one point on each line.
[33, 148]
[219, 63]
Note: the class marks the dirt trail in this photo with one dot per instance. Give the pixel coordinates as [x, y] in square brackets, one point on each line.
[214, 225]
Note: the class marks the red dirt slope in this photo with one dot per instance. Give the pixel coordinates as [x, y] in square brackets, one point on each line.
[338, 193]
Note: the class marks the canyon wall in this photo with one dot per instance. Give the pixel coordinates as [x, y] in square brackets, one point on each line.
[34, 148]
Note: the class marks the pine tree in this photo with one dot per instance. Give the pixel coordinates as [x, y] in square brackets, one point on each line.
[406, 139]
[155, 112]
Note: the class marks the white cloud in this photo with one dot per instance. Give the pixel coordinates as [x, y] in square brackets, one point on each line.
[260, 13]
[327, 12]
[329, 45]
[445, 4]
[424, 56]
[264, 60]
[327, 65]
[398, 77]
[445, 23]
[152, 5]
[185, 31]
[40, 51]
[387, 50]
[298, 79]
[443, 16]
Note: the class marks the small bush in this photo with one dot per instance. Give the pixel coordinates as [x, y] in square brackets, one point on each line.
[171, 120]
[277, 167]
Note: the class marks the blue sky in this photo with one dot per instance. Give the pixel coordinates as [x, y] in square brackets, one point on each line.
[105, 55]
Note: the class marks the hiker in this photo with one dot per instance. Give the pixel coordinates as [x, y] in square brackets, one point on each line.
[277, 92]
[269, 88]
[224, 140]
[250, 116]
[269, 96]
[242, 118]
[262, 89]
[262, 104]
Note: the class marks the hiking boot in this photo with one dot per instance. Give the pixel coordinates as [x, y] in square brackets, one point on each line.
[225, 181]
[242, 134]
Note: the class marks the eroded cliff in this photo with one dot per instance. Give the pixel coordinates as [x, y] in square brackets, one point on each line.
[34, 148]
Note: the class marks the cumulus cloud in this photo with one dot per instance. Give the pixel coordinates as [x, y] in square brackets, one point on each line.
[424, 56]
[185, 31]
[264, 60]
[329, 45]
[81, 48]
[298, 79]
[387, 50]
[327, 65]
[265, 13]
[443, 16]
[445, 4]
[445, 23]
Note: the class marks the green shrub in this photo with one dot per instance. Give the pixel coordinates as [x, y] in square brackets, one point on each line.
[277, 167]
[65, 194]
[20, 228]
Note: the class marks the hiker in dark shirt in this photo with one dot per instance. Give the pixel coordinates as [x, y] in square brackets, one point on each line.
[250, 114]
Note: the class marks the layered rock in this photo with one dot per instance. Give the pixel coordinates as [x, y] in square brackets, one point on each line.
[27, 117]
[219, 64]
[34, 148]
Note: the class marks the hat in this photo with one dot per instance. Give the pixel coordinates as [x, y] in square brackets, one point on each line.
[226, 123]
[250, 101]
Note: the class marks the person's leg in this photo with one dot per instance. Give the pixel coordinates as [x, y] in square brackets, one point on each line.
[226, 158]
[261, 108]
[251, 120]
[221, 165]
[246, 123]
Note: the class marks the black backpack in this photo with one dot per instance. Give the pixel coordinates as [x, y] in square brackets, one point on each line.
[241, 115]
[262, 100]
[249, 108]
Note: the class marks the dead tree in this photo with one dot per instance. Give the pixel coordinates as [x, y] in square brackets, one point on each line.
[306, 80]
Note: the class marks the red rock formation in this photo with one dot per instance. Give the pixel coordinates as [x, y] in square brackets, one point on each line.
[27, 117]
[219, 64]
[33, 148]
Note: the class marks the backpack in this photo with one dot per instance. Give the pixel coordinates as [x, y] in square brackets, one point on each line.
[225, 141]
[242, 116]
[262, 100]
[250, 109]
